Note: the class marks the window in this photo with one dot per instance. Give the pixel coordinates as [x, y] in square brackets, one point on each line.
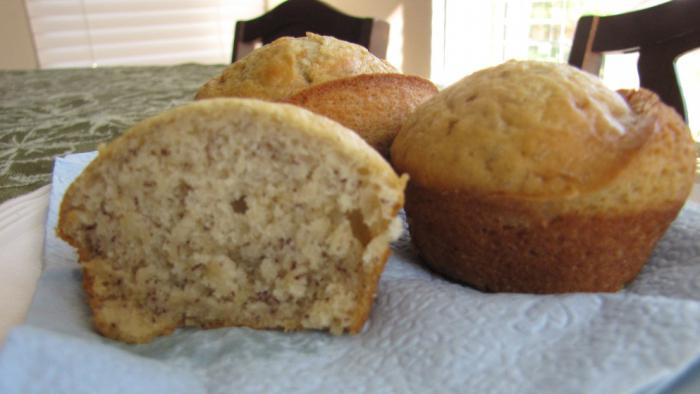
[509, 29]
[538, 29]
[80, 33]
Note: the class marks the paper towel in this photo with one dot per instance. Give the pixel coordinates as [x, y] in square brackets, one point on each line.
[425, 334]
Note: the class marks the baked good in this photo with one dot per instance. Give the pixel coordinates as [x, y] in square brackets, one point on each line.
[373, 105]
[232, 212]
[289, 64]
[332, 77]
[534, 177]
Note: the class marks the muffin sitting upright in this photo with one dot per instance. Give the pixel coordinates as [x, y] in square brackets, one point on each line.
[534, 177]
[232, 212]
[331, 77]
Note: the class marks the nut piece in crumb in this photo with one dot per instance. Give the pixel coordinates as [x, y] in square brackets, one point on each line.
[232, 212]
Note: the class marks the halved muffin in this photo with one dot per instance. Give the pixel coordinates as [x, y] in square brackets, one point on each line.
[232, 212]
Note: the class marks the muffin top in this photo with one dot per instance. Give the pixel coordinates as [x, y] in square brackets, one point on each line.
[288, 65]
[542, 130]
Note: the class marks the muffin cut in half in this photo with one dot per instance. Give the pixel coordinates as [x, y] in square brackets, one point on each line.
[534, 177]
[232, 212]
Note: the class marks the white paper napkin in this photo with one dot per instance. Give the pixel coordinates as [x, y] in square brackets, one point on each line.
[424, 335]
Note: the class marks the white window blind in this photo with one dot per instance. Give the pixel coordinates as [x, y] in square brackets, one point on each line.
[83, 33]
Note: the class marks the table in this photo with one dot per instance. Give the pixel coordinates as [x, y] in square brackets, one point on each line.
[45, 113]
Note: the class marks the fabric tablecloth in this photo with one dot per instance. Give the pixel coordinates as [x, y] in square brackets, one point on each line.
[47, 113]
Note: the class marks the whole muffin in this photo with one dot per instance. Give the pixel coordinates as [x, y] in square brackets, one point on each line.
[534, 177]
[232, 212]
[289, 64]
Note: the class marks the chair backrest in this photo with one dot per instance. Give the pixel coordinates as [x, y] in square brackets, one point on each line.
[660, 34]
[296, 17]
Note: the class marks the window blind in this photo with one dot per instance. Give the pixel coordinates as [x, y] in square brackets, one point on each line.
[84, 33]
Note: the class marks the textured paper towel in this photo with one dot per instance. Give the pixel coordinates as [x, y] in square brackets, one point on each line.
[424, 335]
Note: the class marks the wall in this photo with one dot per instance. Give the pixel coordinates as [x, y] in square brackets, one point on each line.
[16, 43]
[409, 46]
[415, 35]
[410, 35]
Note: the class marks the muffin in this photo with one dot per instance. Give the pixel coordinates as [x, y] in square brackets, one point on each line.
[534, 177]
[332, 77]
[232, 212]
[373, 105]
[289, 64]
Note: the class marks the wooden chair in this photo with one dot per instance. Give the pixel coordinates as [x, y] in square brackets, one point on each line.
[296, 17]
[660, 34]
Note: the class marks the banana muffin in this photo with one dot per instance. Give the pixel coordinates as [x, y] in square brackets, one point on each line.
[534, 177]
[232, 212]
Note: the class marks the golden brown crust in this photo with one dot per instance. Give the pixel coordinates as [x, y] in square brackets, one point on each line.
[364, 308]
[371, 282]
[494, 204]
[505, 245]
[373, 105]
[288, 65]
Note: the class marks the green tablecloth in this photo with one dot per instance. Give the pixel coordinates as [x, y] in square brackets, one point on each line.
[47, 113]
